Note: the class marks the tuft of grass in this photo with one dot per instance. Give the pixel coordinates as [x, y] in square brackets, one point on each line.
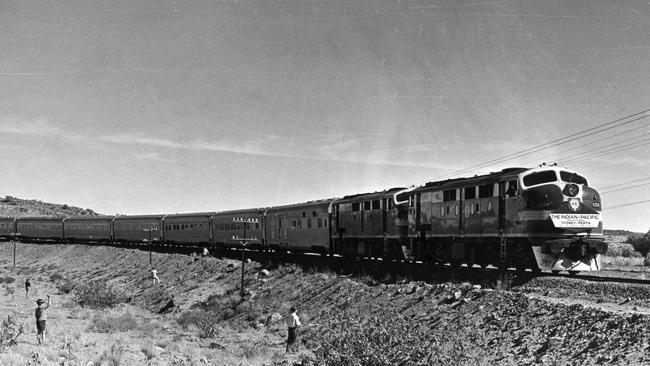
[111, 324]
[148, 350]
[112, 357]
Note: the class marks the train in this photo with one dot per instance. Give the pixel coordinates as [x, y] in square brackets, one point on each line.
[542, 218]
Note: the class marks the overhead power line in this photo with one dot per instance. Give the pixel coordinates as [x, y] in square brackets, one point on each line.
[627, 204]
[570, 138]
[624, 189]
[622, 184]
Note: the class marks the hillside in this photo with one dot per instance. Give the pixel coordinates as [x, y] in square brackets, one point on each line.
[195, 316]
[16, 207]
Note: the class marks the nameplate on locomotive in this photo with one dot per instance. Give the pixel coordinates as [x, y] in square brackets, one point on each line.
[567, 220]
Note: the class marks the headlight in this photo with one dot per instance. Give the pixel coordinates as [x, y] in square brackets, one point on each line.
[571, 190]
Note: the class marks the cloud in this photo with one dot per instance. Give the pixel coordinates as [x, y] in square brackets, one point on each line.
[38, 127]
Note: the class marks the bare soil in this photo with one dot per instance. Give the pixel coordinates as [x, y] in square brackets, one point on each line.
[346, 320]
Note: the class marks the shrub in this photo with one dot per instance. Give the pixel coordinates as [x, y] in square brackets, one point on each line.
[65, 286]
[9, 333]
[205, 321]
[121, 323]
[642, 244]
[97, 295]
[622, 250]
[646, 260]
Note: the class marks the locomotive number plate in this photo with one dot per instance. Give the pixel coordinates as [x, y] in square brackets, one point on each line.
[563, 220]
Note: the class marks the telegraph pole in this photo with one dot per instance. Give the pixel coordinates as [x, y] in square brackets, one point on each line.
[149, 230]
[13, 240]
[243, 241]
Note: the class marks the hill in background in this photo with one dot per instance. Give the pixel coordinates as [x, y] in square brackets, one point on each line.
[16, 207]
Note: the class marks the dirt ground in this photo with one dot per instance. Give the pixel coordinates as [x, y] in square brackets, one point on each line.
[346, 321]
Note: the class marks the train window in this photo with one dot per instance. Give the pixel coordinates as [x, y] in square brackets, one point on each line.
[257, 226]
[325, 222]
[448, 210]
[449, 195]
[389, 202]
[299, 223]
[376, 205]
[356, 206]
[572, 178]
[313, 213]
[320, 222]
[486, 190]
[293, 224]
[303, 214]
[546, 176]
[248, 226]
[470, 193]
[512, 188]
[309, 222]
[478, 207]
[366, 205]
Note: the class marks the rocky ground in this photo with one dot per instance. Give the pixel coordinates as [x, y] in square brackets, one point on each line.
[196, 316]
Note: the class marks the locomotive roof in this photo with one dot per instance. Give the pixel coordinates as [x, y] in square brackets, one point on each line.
[371, 195]
[492, 176]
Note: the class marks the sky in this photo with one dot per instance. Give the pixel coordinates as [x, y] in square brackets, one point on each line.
[139, 107]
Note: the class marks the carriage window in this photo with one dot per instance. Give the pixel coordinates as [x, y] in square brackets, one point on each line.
[293, 224]
[303, 214]
[376, 204]
[325, 222]
[313, 213]
[470, 193]
[320, 222]
[366, 206]
[309, 222]
[486, 190]
[449, 195]
[356, 206]
[546, 176]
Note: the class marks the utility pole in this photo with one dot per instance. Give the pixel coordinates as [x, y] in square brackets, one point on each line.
[13, 240]
[243, 241]
[149, 230]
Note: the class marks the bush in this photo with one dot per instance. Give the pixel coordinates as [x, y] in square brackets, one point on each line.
[622, 250]
[97, 295]
[9, 332]
[121, 323]
[65, 286]
[646, 260]
[205, 321]
[642, 244]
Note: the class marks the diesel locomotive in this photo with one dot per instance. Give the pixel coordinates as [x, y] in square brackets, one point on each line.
[544, 218]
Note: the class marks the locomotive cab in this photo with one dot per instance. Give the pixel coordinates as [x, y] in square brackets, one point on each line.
[561, 214]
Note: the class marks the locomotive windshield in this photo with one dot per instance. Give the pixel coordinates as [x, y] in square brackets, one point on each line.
[572, 178]
[546, 176]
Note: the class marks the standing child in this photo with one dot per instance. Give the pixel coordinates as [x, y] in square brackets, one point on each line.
[293, 322]
[154, 273]
[27, 286]
[41, 317]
